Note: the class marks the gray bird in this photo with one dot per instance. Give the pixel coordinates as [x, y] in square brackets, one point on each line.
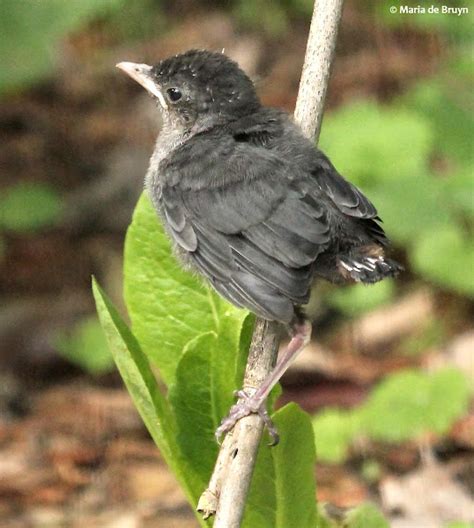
[250, 203]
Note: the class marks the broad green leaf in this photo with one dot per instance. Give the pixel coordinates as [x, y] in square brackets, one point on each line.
[138, 377]
[86, 346]
[201, 395]
[404, 406]
[168, 306]
[411, 207]
[334, 431]
[396, 408]
[446, 256]
[246, 333]
[442, 412]
[261, 504]
[283, 491]
[28, 207]
[370, 143]
[155, 411]
[295, 458]
[410, 403]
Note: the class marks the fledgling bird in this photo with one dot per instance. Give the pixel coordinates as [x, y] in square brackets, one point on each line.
[250, 203]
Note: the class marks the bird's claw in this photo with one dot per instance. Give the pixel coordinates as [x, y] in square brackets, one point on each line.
[245, 406]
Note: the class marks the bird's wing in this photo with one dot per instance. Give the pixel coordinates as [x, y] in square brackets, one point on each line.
[345, 196]
[254, 231]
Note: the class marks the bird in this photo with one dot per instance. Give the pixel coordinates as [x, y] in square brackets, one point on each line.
[251, 204]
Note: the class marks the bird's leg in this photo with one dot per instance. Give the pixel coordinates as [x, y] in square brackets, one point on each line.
[254, 400]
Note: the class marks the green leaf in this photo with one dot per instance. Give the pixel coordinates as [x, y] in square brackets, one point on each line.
[246, 334]
[410, 403]
[86, 346]
[168, 306]
[359, 298]
[447, 111]
[137, 375]
[366, 516]
[411, 207]
[402, 407]
[442, 412]
[334, 431]
[283, 491]
[201, 397]
[141, 384]
[379, 143]
[261, 504]
[444, 256]
[28, 207]
[294, 458]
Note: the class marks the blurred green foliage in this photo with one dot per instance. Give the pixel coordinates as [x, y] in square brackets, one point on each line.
[29, 207]
[270, 16]
[274, 17]
[30, 31]
[334, 430]
[408, 404]
[456, 27]
[388, 150]
[358, 298]
[366, 515]
[403, 406]
[138, 20]
[85, 345]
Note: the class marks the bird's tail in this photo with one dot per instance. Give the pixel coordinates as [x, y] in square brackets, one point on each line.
[368, 267]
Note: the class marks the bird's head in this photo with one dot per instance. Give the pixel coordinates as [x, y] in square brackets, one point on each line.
[197, 88]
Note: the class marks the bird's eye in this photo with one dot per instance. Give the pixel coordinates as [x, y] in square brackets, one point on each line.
[174, 94]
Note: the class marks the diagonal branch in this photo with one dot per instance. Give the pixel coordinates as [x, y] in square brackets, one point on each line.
[228, 488]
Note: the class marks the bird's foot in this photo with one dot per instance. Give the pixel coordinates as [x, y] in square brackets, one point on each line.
[247, 404]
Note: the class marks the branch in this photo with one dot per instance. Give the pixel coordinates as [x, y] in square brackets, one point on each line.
[230, 481]
[317, 66]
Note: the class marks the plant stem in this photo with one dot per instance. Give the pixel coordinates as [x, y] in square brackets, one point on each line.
[317, 66]
[230, 482]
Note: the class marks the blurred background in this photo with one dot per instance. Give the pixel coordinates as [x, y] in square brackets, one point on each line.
[390, 374]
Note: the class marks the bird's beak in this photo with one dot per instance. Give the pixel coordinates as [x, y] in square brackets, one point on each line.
[142, 74]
